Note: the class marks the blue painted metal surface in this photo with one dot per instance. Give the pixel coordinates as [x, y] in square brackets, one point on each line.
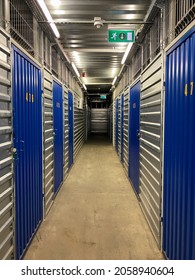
[71, 128]
[134, 114]
[122, 127]
[179, 151]
[27, 133]
[116, 125]
[58, 135]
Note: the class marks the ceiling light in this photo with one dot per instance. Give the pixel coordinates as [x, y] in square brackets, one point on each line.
[126, 53]
[75, 69]
[114, 81]
[55, 2]
[48, 17]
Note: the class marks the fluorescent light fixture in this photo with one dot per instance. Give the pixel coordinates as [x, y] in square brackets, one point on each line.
[55, 2]
[75, 69]
[114, 80]
[126, 53]
[84, 86]
[48, 17]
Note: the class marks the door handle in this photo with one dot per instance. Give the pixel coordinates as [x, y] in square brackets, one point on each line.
[138, 134]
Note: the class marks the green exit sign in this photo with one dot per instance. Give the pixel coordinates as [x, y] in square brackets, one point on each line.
[121, 36]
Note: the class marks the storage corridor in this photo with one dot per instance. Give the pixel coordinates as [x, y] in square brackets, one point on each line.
[96, 214]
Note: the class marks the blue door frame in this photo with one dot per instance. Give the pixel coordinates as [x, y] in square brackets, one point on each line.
[134, 115]
[71, 128]
[116, 126]
[58, 135]
[27, 138]
[122, 127]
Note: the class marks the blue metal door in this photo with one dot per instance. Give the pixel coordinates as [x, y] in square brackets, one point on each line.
[134, 113]
[27, 125]
[71, 128]
[116, 126]
[122, 127]
[58, 135]
[179, 151]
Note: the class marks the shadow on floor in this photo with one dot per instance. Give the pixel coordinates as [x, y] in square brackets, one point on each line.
[99, 139]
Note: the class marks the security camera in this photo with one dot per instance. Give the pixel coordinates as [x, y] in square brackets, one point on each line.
[98, 22]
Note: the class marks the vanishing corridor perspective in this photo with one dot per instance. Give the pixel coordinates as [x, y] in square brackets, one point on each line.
[97, 110]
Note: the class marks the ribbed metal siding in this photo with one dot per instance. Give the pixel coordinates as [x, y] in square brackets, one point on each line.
[99, 120]
[114, 123]
[111, 121]
[79, 130]
[179, 151]
[6, 159]
[48, 139]
[88, 121]
[150, 144]
[119, 126]
[66, 131]
[126, 123]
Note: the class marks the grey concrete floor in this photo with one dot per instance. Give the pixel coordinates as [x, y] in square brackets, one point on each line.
[96, 215]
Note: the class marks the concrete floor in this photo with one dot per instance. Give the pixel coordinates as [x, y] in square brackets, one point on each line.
[96, 214]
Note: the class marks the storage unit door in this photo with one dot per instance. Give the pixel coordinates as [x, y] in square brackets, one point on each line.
[6, 158]
[71, 129]
[99, 121]
[116, 125]
[58, 135]
[151, 144]
[179, 151]
[134, 113]
[126, 129]
[66, 133]
[122, 127]
[48, 141]
[27, 120]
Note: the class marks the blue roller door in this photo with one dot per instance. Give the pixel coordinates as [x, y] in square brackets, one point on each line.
[27, 134]
[179, 151]
[58, 135]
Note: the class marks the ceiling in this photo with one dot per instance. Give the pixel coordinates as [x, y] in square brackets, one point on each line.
[87, 46]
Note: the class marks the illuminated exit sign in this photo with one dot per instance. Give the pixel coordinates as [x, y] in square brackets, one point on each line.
[121, 36]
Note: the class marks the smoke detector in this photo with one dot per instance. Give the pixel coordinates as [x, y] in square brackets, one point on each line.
[98, 22]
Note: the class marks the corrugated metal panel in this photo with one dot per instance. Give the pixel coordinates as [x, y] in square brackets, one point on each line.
[126, 123]
[119, 126]
[99, 120]
[27, 123]
[66, 131]
[179, 151]
[6, 159]
[114, 124]
[150, 144]
[88, 121]
[122, 127]
[58, 116]
[79, 129]
[48, 139]
[70, 130]
[111, 122]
